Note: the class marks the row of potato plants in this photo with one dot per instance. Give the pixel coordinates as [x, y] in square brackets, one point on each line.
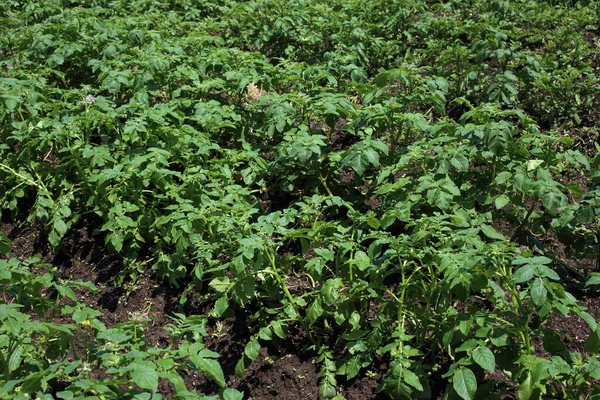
[232, 146]
[44, 357]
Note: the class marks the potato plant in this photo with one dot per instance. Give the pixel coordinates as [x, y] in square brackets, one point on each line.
[408, 166]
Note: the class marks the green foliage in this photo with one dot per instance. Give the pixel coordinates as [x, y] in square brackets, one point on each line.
[380, 175]
[37, 356]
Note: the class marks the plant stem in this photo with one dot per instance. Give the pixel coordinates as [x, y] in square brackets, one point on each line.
[4, 364]
[519, 308]
[395, 136]
[401, 317]
[324, 183]
[529, 212]
[8, 169]
[597, 249]
[493, 176]
[350, 269]
[287, 293]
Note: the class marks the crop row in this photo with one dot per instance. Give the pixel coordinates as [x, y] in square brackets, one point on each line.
[406, 160]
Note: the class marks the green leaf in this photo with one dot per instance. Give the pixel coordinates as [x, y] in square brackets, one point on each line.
[591, 321]
[265, 333]
[221, 305]
[206, 353]
[552, 342]
[116, 240]
[501, 201]
[594, 280]
[144, 375]
[538, 292]
[352, 367]
[240, 367]
[14, 361]
[363, 154]
[314, 311]
[66, 291]
[496, 139]
[358, 75]
[412, 379]
[503, 177]
[210, 368]
[60, 226]
[243, 290]
[470, 344]
[372, 156]
[232, 394]
[485, 358]
[460, 162]
[220, 284]
[491, 232]
[4, 245]
[326, 389]
[533, 164]
[592, 344]
[330, 290]
[359, 163]
[279, 329]
[520, 260]
[465, 325]
[11, 102]
[554, 200]
[526, 388]
[464, 383]
[500, 338]
[65, 395]
[362, 260]
[549, 273]
[252, 349]
[524, 273]
[116, 335]
[449, 186]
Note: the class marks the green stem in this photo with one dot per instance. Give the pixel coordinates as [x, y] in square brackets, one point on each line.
[287, 293]
[493, 176]
[324, 183]
[577, 394]
[525, 325]
[597, 248]
[401, 317]
[350, 269]
[21, 113]
[4, 364]
[74, 350]
[8, 169]
[519, 308]
[395, 137]
[310, 278]
[529, 212]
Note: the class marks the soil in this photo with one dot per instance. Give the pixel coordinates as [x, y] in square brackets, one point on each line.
[282, 371]
[281, 377]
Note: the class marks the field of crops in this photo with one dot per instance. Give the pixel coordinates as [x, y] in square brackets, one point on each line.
[299, 199]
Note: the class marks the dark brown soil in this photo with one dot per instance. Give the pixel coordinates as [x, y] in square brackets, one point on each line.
[281, 377]
[277, 373]
[284, 371]
[575, 329]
